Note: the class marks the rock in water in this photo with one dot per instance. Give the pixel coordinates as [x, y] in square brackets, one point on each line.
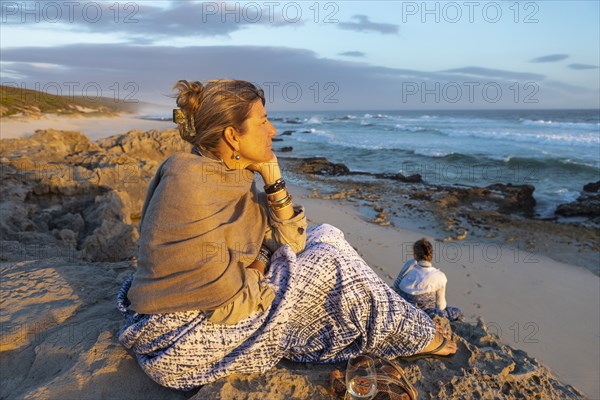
[586, 205]
[592, 187]
[322, 166]
[516, 197]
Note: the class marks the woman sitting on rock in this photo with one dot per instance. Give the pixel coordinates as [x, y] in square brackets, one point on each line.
[229, 280]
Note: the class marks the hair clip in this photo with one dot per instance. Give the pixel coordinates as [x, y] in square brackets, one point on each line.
[186, 126]
[178, 116]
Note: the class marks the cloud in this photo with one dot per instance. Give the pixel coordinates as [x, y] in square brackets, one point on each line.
[364, 25]
[293, 79]
[352, 54]
[495, 73]
[143, 23]
[582, 66]
[550, 58]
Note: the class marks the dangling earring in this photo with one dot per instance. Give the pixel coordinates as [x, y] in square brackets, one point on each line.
[237, 156]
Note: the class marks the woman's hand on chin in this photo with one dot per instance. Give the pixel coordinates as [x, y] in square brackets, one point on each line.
[269, 170]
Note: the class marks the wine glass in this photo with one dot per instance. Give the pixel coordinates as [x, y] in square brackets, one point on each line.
[361, 378]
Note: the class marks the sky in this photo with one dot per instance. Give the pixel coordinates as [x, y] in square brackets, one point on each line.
[312, 55]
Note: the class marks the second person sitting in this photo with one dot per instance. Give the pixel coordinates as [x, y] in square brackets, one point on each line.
[423, 285]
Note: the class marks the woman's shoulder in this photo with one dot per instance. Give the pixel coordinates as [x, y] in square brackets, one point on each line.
[181, 160]
[195, 168]
[187, 173]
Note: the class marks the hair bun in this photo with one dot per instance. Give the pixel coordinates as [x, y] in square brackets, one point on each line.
[189, 97]
[207, 109]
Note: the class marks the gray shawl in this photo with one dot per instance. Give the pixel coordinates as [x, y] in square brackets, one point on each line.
[201, 225]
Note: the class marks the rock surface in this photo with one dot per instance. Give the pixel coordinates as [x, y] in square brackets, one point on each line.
[592, 187]
[322, 166]
[586, 205]
[515, 198]
[64, 195]
[59, 340]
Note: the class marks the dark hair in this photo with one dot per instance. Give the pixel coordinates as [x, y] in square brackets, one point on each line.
[423, 250]
[213, 106]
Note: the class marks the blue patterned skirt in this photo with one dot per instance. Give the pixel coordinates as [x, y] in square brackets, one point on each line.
[329, 306]
[427, 303]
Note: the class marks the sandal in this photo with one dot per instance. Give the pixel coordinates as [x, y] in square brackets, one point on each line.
[390, 378]
[432, 353]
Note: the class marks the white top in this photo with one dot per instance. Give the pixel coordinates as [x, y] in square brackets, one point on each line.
[423, 278]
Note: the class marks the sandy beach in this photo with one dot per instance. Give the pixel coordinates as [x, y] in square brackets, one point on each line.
[94, 127]
[548, 309]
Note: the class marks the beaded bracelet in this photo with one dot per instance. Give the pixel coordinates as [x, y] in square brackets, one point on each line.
[275, 186]
[265, 251]
[264, 256]
[261, 257]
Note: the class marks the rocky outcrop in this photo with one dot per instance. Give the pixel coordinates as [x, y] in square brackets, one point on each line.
[592, 187]
[65, 195]
[517, 198]
[60, 341]
[151, 146]
[505, 198]
[416, 178]
[586, 205]
[322, 166]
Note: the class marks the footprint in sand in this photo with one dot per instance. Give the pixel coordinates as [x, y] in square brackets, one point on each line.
[468, 275]
[389, 277]
[468, 292]
[477, 305]
[464, 266]
[478, 285]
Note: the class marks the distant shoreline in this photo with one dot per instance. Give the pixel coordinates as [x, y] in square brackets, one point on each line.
[95, 127]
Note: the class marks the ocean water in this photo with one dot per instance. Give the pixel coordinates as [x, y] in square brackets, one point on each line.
[557, 151]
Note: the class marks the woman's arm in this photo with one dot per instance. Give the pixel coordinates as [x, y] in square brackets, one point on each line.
[287, 222]
[258, 265]
[271, 175]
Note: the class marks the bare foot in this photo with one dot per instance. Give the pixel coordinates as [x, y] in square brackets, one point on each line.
[448, 348]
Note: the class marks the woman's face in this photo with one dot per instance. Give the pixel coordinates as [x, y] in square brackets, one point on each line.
[255, 143]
